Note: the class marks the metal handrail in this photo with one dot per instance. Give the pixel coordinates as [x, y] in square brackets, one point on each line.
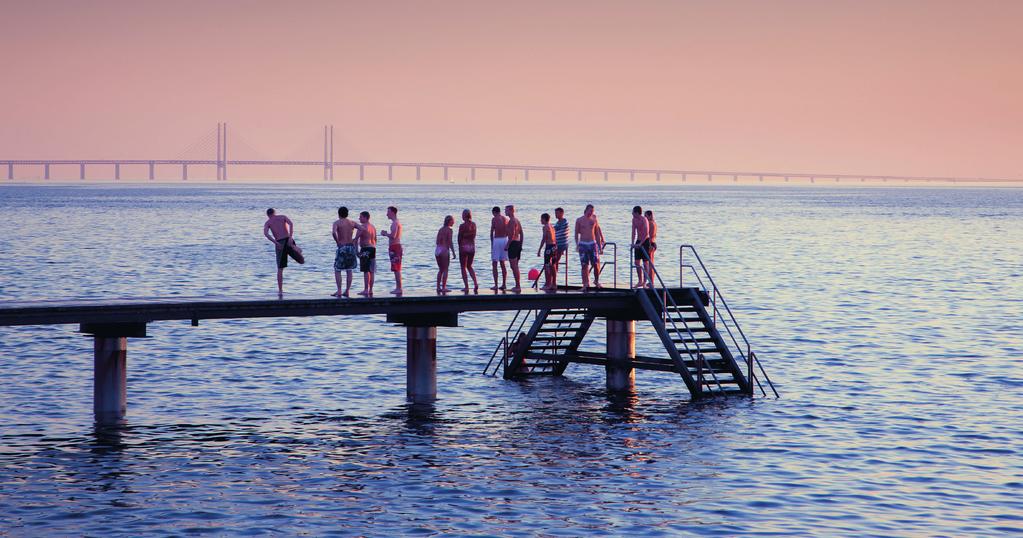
[749, 356]
[698, 357]
[614, 262]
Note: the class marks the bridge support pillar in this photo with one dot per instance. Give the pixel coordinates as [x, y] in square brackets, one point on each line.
[151, 166]
[46, 171]
[117, 170]
[81, 171]
[110, 368]
[184, 172]
[10, 170]
[621, 350]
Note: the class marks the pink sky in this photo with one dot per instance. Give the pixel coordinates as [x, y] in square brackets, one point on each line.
[899, 87]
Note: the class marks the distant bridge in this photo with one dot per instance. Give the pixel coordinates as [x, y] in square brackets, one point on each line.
[468, 171]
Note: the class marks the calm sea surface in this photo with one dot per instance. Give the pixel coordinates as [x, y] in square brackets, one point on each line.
[890, 319]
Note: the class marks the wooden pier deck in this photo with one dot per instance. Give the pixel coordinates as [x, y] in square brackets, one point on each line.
[544, 343]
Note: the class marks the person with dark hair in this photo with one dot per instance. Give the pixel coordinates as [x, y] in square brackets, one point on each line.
[588, 242]
[279, 230]
[514, 246]
[499, 246]
[467, 250]
[345, 259]
[549, 245]
[394, 250]
[444, 252]
[561, 236]
[640, 245]
[367, 240]
[653, 241]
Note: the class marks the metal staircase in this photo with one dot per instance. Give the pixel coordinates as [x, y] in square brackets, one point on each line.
[705, 345]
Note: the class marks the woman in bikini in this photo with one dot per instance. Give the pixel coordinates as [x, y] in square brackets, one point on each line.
[444, 246]
[467, 250]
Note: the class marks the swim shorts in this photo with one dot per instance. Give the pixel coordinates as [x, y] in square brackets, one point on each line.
[394, 252]
[588, 253]
[345, 259]
[368, 259]
[497, 251]
[548, 254]
[283, 250]
[641, 252]
[514, 250]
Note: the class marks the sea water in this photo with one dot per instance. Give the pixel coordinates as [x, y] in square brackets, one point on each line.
[890, 319]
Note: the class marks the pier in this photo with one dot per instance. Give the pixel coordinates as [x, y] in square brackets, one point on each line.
[704, 344]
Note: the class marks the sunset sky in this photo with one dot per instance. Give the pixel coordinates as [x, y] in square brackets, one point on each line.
[899, 87]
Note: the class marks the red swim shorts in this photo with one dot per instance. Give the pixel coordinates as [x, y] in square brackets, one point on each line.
[394, 252]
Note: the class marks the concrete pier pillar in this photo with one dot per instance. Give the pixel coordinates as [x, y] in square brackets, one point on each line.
[421, 364]
[46, 171]
[184, 172]
[110, 378]
[117, 170]
[621, 350]
[151, 166]
[10, 170]
[81, 171]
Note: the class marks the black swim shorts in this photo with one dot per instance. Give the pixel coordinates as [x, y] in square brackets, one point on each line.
[514, 250]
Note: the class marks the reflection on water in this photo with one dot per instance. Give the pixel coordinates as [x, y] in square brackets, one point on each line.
[890, 319]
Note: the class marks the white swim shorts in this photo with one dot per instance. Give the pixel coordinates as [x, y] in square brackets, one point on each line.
[497, 250]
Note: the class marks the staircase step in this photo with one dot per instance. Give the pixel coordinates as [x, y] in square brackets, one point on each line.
[557, 330]
[566, 338]
[694, 321]
[687, 340]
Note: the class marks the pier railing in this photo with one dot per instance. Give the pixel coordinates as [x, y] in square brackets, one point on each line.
[668, 309]
[722, 315]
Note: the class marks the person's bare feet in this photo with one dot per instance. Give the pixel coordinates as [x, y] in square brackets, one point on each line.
[516, 289]
[366, 293]
[337, 293]
[396, 291]
[476, 289]
[494, 287]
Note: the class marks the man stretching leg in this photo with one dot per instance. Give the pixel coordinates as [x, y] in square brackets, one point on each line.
[283, 238]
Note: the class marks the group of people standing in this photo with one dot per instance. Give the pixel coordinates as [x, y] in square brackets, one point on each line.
[357, 247]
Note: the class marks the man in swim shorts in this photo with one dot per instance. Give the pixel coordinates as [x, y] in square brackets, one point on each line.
[345, 259]
[514, 246]
[561, 236]
[367, 240]
[283, 232]
[499, 246]
[585, 237]
[641, 245]
[394, 250]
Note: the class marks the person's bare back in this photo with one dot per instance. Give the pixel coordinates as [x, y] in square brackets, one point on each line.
[343, 231]
[499, 226]
[280, 226]
[367, 235]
